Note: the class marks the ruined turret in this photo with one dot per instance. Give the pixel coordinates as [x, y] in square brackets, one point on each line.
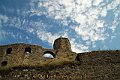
[62, 44]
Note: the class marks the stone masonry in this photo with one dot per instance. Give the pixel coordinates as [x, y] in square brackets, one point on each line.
[28, 62]
[32, 55]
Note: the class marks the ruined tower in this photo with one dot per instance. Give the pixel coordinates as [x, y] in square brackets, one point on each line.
[62, 44]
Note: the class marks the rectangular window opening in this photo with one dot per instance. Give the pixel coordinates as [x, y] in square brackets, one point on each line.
[28, 50]
[9, 50]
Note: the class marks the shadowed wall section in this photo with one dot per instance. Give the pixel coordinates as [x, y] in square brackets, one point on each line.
[99, 57]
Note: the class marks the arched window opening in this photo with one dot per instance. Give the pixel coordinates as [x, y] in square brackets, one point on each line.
[4, 63]
[28, 50]
[9, 50]
[49, 55]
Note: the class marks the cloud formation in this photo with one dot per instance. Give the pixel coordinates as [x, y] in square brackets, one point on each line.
[86, 23]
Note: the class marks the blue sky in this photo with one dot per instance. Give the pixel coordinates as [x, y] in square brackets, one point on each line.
[89, 24]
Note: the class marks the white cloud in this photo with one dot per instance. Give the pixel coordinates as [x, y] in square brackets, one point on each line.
[91, 29]
[47, 36]
[81, 19]
[103, 12]
[97, 2]
[77, 47]
[2, 35]
[113, 4]
[3, 19]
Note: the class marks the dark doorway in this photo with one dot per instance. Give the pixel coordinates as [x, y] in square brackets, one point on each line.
[4, 63]
[9, 50]
[28, 50]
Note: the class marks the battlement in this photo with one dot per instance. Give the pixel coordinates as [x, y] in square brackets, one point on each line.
[14, 55]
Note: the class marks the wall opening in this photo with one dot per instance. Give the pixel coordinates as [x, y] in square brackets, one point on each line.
[4, 63]
[9, 50]
[49, 55]
[27, 50]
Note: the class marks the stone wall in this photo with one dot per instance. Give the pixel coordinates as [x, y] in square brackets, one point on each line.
[99, 57]
[27, 62]
[32, 55]
[69, 71]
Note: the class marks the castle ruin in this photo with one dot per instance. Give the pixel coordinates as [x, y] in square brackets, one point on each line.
[33, 55]
[24, 61]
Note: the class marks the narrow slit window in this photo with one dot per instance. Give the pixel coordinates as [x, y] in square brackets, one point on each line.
[9, 50]
[4, 63]
[28, 50]
[49, 55]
